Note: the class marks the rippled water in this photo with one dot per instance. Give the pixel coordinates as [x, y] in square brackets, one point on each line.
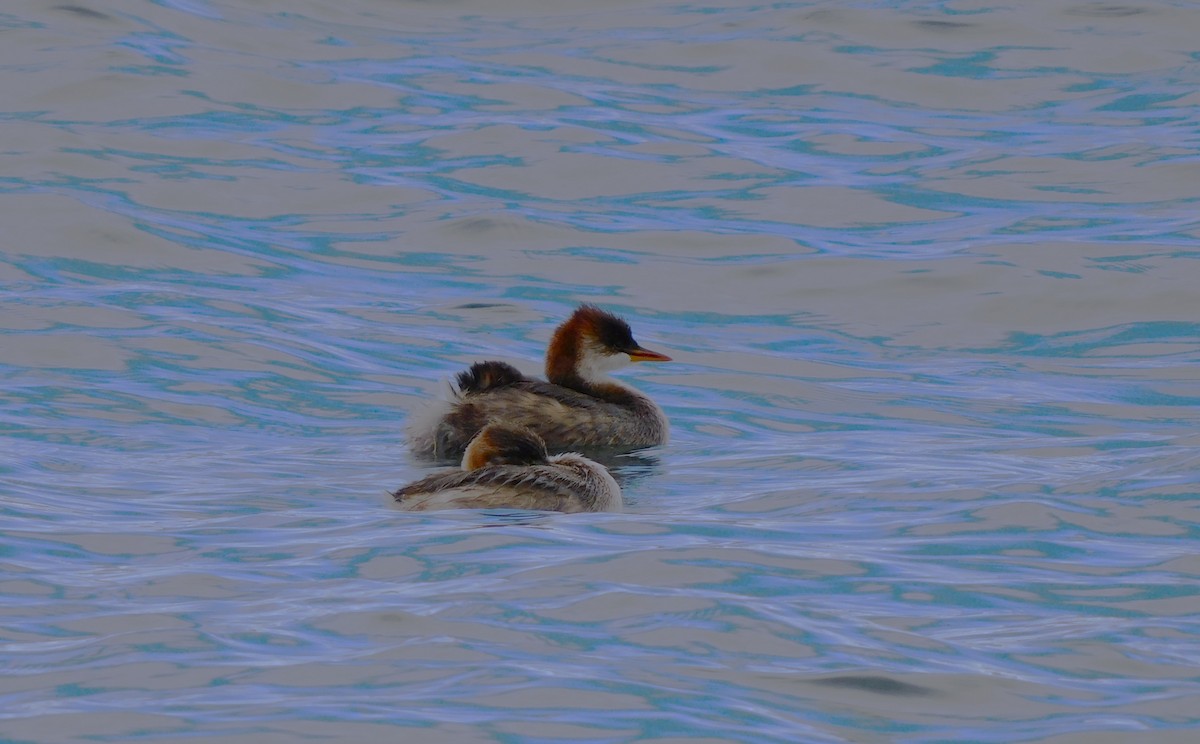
[929, 272]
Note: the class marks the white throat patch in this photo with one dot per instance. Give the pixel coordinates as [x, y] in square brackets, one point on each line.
[595, 363]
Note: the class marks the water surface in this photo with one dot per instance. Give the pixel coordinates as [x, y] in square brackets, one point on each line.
[928, 273]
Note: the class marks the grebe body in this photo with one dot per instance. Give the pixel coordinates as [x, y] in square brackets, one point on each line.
[578, 406]
[508, 467]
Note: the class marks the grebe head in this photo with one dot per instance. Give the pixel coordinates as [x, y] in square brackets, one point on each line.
[504, 444]
[592, 343]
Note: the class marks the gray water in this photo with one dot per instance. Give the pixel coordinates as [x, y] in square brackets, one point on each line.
[929, 272]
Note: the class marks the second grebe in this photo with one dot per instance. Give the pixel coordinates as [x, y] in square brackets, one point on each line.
[507, 467]
[579, 406]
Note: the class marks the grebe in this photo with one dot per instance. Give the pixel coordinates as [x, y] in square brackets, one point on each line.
[579, 406]
[507, 467]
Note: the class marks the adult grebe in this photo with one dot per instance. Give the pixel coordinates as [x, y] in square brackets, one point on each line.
[579, 406]
[507, 467]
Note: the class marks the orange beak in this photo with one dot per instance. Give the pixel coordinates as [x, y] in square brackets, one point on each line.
[638, 354]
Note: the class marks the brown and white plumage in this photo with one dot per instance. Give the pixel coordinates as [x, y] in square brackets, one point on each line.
[578, 406]
[507, 467]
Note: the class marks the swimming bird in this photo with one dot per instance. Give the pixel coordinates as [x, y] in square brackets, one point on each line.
[508, 467]
[578, 406]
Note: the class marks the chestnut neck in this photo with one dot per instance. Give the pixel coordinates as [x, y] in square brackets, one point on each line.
[562, 356]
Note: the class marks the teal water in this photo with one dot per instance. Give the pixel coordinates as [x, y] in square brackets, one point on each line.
[928, 272]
